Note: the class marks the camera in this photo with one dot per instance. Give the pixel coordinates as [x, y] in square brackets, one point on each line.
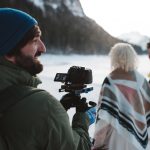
[75, 75]
[75, 82]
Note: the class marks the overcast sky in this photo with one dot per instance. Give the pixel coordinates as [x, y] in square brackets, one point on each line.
[119, 16]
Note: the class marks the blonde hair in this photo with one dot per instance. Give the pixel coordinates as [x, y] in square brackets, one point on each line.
[123, 56]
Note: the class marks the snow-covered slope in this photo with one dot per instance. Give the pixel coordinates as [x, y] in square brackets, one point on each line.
[135, 38]
[73, 6]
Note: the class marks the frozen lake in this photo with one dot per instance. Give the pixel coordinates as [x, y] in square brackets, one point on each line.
[99, 64]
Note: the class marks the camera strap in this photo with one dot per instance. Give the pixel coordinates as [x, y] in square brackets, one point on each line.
[13, 94]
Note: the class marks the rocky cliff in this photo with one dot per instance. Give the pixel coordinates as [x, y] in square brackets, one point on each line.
[65, 27]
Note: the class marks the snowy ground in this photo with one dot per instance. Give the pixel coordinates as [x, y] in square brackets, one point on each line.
[100, 66]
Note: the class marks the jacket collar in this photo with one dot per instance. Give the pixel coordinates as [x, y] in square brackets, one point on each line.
[11, 74]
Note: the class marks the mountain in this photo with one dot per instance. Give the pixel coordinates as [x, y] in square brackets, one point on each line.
[65, 27]
[135, 38]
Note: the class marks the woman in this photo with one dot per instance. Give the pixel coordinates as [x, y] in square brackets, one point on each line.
[123, 114]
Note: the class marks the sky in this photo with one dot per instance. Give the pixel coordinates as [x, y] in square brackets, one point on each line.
[119, 16]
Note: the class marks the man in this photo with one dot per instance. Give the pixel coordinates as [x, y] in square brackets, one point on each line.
[148, 49]
[33, 119]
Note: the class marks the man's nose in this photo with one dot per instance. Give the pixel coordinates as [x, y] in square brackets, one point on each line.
[42, 47]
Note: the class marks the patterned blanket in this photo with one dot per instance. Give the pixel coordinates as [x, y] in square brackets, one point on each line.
[125, 104]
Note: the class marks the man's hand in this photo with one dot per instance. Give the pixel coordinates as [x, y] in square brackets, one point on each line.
[69, 100]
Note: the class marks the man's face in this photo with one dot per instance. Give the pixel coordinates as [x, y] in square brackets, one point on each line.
[28, 58]
[148, 50]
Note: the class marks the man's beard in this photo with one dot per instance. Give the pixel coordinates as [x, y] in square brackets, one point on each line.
[30, 64]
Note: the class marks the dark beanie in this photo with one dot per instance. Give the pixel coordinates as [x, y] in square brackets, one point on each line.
[13, 26]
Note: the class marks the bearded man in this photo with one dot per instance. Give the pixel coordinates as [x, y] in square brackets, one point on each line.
[31, 118]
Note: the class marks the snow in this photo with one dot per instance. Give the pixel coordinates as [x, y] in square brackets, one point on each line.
[54, 6]
[38, 3]
[135, 38]
[75, 7]
[99, 64]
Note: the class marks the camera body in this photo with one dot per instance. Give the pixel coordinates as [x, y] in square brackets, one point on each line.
[76, 79]
[75, 75]
[75, 82]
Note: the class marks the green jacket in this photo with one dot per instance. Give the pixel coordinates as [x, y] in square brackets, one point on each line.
[38, 121]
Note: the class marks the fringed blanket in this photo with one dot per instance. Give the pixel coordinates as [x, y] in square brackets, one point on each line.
[125, 105]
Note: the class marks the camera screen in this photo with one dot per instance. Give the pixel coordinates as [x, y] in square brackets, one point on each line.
[60, 77]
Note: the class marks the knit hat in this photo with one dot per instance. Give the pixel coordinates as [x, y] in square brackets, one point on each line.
[14, 24]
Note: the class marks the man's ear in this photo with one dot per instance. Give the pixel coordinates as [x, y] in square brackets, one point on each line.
[10, 58]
